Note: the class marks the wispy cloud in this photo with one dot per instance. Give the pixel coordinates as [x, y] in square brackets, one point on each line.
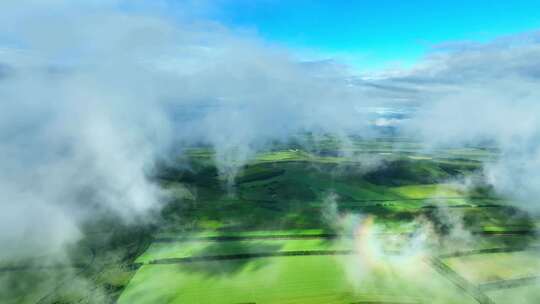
[483, 92]
[93, 92]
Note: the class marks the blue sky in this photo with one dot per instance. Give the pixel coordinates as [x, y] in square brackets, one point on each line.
[373, 34]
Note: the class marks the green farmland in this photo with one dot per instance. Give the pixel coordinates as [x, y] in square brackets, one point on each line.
[301, 279]
[382, 222]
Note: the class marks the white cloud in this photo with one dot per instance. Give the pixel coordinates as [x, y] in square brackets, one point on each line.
[95, 93]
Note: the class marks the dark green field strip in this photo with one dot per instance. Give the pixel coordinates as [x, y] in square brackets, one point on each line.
[523, 232]
[250, 256]
[488, 250]
[434, 198]
[95, 265]
[248, 237]
[510, 283]
[284, 237]
[41, 267]
[404, 199]
[464, 206]
[460, 281]
[262, 175]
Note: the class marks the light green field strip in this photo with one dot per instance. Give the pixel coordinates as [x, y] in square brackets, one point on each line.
[305, 279]
[415, 204]
[429, 191]
[304, 156]
[295, 155]
[213, 248]
[507, 228]
[471, 153]
[361, 190]
[213, 233]
[529, 294]
[359, 147]
[482, 268]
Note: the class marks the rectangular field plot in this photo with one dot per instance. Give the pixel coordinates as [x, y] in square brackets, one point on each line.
[487, 267]
[208, 234]
[167, 250]
[429, 191]
[527, 294]
[298, 279]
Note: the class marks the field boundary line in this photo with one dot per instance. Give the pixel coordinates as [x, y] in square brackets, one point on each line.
[459, 281]
[248, 238]
[488, 250]
[249, 256]
[509, 283]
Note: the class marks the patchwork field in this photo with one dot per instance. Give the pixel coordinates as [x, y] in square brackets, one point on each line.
[380, 221]
[526, 294]
[496, 266]
[298, 279]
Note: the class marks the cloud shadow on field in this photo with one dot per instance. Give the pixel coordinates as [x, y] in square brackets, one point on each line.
[233, 250]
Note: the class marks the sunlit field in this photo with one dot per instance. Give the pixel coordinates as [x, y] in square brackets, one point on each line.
[302, 226]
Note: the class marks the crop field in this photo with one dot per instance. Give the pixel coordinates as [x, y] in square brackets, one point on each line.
[179, 250]
[525, 294]
[379, 221]
[292, 279]
[483, 268]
